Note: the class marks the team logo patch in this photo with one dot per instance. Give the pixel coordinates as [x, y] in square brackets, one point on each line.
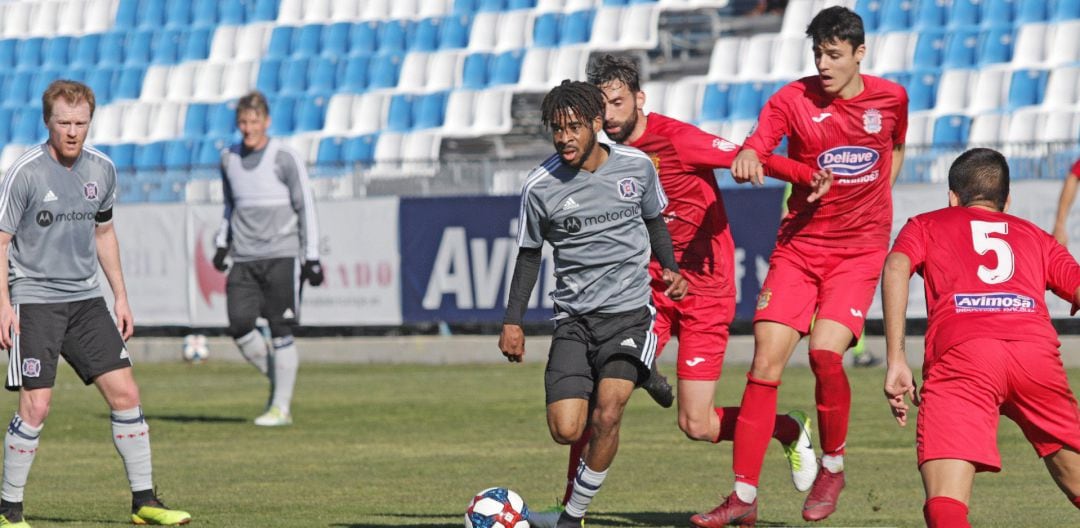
[573, 225]
[763, 299]
[993, 302]
[90, 191]
[44, 218]
[848, 160]
[871, 121]
[628, 189]
[655, 161]
[31, 367]
[723, 145]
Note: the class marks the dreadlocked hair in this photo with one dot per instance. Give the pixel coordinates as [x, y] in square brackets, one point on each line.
[585, 101]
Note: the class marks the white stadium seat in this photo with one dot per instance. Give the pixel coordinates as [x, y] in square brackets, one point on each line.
[724, 60]
[987, 129]
[105, 127]
[683, 99]
[338, 115]
[316, 11]
[208, 81]
[639, 27]
[343, 10]
[251, 41]
[953, 89]
[291, 12]
[43, 18]
[97, 16]
[513, 27]
[222, 46]
[990, 90]
[239, 79]
[483, 32]
[919, 125]
[70, 20]
[1030, 45]
[1065, 44]
[605, 28]
[403, 9]
[16, 19]
[755, 56]
[655, 96]
[492, 112]
[166, 120]
[459, 112]
[413, 72]
[1063, 88]
[155, 84]
[368, 113]
[442, 70]
[136, 122]
[181, 81]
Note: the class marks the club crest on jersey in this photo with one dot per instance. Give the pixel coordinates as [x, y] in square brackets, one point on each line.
[763, 299]
[871, 121]
[993, 302]
[723, 145]
[655, 161]
[90, 191]
[31, 367]
[628, 189]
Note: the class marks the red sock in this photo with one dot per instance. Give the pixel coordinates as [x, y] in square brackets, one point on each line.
[945, 512]
[575, 460]
[833, 395]
[1076, 502]
[757, 417]
[786, 429]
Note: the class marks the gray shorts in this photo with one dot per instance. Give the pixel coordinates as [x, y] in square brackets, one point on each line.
[81, 331]
[587, 348]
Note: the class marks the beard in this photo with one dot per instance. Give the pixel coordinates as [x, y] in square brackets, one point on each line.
[626, 128]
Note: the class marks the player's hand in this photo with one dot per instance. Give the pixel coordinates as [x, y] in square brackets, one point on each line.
[899, 383]
[125, 322]
[677, 285]
[312, 272]
[219, 259]
[9, 325]
[747, 168]
[512, 343]
[820, 183]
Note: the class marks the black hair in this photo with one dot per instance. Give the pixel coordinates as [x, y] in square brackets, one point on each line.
[980, 174]
[610, 68]
[836, 23]
[584, 100]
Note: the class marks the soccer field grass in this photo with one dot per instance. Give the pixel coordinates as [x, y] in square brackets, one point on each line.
[408, 445]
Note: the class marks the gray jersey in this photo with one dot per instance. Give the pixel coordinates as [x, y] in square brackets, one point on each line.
[594, 221]
[50, 212]
[269, 209]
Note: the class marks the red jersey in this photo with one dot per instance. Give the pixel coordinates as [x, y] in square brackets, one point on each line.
[853, 137]
[986, 274]
[1076, 169]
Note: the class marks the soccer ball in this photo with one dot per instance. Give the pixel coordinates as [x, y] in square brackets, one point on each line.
[497, 508]
[195, 349]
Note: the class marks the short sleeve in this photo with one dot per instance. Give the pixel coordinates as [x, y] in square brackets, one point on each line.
[13, 201]
[912, 242]
[108, 200]
[532, 220]
[900, 132]
[1076, 169]
[653, 199]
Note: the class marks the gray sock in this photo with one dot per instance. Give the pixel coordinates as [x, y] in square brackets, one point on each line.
[253, 348]
[131, 435]
[22, 442]
[286, 363]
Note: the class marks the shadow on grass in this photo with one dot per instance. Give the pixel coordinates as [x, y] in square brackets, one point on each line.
[185, 418]
[606, 519]
[64, 520]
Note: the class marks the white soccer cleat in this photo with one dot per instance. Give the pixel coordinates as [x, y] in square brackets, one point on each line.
[274, 417]
[800, 454]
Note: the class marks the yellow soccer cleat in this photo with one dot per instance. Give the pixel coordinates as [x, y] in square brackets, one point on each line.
[158, 514]
[21, 523]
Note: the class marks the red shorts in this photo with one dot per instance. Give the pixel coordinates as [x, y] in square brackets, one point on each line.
[971, 384]
[834, 283]
[702, 324]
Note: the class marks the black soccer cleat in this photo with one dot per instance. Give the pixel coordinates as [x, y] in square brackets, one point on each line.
[659, 389]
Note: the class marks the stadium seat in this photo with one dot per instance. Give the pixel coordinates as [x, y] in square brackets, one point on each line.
[291, 12]
[375, 10]
[203, 13]
[430, 110]
[1026, 88]
[166, 48]
[1021, 131]
[354, 76]
[223, 44]
[55, 51]
[929, 48]
[714, 102]
[961, 47]
[506, 67]
[997, 12]
[459, 112]
[1059, 127]
[513, 28]
[986, 130]
[262, 11]
[151, 14]
[181, 81]
[330, 151]
[367, 113]
[413, 72]
[177, 15]
[208, 81]
[488, 6]
[197, 45]
[474, 71]
[221, 118]
[150, 156]
[433, 8]
[250, 40]
[483, 32]
[425, 35]
[310, 113]
[106, 125]
[384, 70]
[155, 83]
[797, 16]
[463, 7]
[195, 119]
[136, 122]
[283, 110]
[724, 59]
[360, 149]
[403, 9]
[869, 11]
[953, 89]
[746, 100]
[546, 30]
[1028, 11]
[1064, 49]
[393, 36]
[739, 130]
[918, 131]
[137, 47]
[996, 45]
[922, 88]
[322, 75]
[951, 131]
[1062, 88]
[492, 108]
[683, 99]
[569, 62]
[364, 37]
[454, 33]
[606, 28]
[755, 57]
[316, 11]
[895, 15]
[280, 45]
[639, 29]
[338, 115]
[123, 156]
[419, 153]
[1066, 10]
[71, 23]
[269, 74]
[16, 19]
[1030, 45]
[988, 91]
[387, 155]
[28, 53]
[5, 124]
[306, 40]
[964, 13]
[534, 70]
[236, 79]
[209, 152]
[7, 54]
[128, 82]
[294, 76]
[894, 52]
[790, 55]
[575, 28]
[514, 5]
[231, 12]
[100, 80]
[126, 16]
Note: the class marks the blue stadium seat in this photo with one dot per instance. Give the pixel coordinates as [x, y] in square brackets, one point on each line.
[111, 49]
[27, 126]
[715, 104]
[28, 53]
[474, 71]
[1026, 88]
[614, 3]
[294, 73]
[399, 116]
[426, 35]
[869, 11]
[283, 110]
[100, 80]
[360, 149]
[306, 40]
[997, 12]
[178, 153]
[354, 76]
[922, 89]
[335, 40]
[929, 48]
[464, 7]
[76, 73]
[128, 83]
[1066, 10]
[746, 100]
[123, 156]
[520, 4]
[262, 11]
[269, 74]
[17, 89]
[961, 47]
[5, 123]
[546, 30]
[126, 15]
[430, 110]
[322, 75]
[454, 33]
[150, 156]
[195, 120]
[899, 77]
[197, 45]
[895, 15]
[951, 131]
[364, 37]
[280, 42]
[393, 36]
[208, 153]
[7, 53]
[485, 6]
[151, 14]
[575, 27]
[310, 113]
[137, 47]
[1028, 11]
[929, 14]
[383, 70]
[84, 51]
[231, 12]
[42, 79]
[330, 151]
[204, 13]
[964, 13]
[56, 51]
[221, 119]
[167, 46]
[506, 67]
[177, 15]
[104, 149]
[996, 45]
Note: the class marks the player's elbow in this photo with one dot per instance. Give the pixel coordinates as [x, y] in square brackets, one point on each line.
[897, 265]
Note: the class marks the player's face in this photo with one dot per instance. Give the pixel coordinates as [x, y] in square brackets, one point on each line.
[574, 138]
[253, 126]
[837, 64]
[68, 125]
[621, 107]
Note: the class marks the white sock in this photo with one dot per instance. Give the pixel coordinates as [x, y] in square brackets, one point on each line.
[745, 491]
[286, 363]
[586, 485]
[253, 348]
[22, 443]
[131, 435]
[833, 463]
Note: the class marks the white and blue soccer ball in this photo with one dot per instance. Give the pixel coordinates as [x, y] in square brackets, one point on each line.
[497, 508]
[195, 349]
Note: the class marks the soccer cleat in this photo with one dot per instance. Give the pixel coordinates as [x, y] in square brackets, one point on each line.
[274, 417]
[156, 513]
[16, 522]
[733, 512]
[550, 518]
[568, 521]
[658, 388]
[800, 454]
[821, 501]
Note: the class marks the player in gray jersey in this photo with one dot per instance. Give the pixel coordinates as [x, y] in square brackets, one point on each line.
[56, 208]
[599, 207]
[268, 226]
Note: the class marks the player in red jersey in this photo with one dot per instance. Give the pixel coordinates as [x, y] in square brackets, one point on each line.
[1068, 194]
[828, 255]
[990, 347]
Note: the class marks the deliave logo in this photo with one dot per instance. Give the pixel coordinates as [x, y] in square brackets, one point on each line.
[848, 161]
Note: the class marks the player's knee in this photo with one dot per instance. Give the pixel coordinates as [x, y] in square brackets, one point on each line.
[826, 362]
[281, 329]
[565, 433]
[695, 428]
[35, 411]
[607, 417]
[240, 328]
[766, 367]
